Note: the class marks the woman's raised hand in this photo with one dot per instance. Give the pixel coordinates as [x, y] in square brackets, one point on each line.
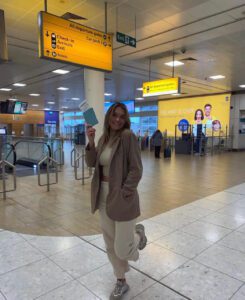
[90, 131]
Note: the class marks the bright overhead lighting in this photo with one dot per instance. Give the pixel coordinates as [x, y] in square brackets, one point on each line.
[61, 88]
[242, 86]
[175, 63]
[217, 77]
[61, 112]
[13, 99]
[34, 95]
[51, 102]
[65, 107]
[139, 89]
[35, 105]
[107, 94]
[139, 98]
[19, 84]
[61, 72]
[76, 99]
[5, 89]
[46, 108]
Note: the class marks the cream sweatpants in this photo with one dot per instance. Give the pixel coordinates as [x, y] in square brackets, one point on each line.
[120, 238]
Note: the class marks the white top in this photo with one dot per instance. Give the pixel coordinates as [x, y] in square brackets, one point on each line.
[105, 159]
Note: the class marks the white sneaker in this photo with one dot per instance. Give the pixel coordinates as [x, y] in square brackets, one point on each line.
[120, 289]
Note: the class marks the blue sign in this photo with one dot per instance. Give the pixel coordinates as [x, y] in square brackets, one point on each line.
[52, 117]
[183, 125]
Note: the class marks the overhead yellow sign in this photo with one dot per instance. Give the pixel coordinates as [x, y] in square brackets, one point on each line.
[70, 42]
[161, 87]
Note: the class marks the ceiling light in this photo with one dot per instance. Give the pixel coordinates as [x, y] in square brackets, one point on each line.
[5, 89]
[46, 108]
[61, 72]
[107, 94]
[19, 84]
[61, 88]
[175, 63]
[61, 112]
[75, 99]
[34, 105]
[139, 98]
[242, 86]
[65, 107]
[13, 99]
[217, 77]
[140, 89]
[34, 95]
[51, 102]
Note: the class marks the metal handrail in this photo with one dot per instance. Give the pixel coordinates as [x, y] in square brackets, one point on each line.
[34, 142]
[61, 155]
[11, 150]
[76, 166]
[47, 159]
[3, 163]
[73, 151]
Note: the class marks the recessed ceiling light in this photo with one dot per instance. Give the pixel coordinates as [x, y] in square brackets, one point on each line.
[217, 77]
[46, 108]
[61, 112]
[5, 89]
[35, 105]
[61, 88]
[107, 94]
[61, 72]
[242, 86]
[34, 95]
[19, 84]
[140, 89]
[13, 99]
[175, 63]
[139, 98]
[51, 102]
[65, 107]
[76, 99]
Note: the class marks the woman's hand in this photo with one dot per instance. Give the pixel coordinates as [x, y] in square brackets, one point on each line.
[90, 131]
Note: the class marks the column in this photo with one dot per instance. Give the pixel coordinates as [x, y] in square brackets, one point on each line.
[94, 94]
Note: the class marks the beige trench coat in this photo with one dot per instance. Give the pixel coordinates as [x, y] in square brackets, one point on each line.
[125, 171]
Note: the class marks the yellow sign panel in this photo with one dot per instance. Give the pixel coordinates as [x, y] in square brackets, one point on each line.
[70, 42]
[161, 87]
[213, 112]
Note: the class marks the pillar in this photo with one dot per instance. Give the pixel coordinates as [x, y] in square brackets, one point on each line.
[94, 94]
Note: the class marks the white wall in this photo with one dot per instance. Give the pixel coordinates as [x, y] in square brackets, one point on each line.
[238, 103]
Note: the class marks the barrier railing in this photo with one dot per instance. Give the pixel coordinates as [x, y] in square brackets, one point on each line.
[3, 164]
[49, 162]
[76, 166]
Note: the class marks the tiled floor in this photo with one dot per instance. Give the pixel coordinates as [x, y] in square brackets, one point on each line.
[194, 251]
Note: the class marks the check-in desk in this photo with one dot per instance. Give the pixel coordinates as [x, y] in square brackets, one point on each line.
[183, 146]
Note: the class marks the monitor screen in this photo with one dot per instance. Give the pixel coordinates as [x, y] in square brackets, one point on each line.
[3, 131]
[17, 107]
[24, 106]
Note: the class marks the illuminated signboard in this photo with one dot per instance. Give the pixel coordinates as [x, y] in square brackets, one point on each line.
[70, 42]
[161, 87]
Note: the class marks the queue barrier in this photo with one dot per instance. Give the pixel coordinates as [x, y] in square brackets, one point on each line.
[49, 162]
[3, 164]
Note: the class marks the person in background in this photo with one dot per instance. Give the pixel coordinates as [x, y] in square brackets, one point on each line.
[157, 142]
[118, 170]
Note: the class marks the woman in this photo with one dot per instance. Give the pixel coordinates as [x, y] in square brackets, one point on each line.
[118, 170]
[199, 116]
[157, 142]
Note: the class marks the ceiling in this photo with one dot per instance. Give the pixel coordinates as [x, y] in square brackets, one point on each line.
[207, 35]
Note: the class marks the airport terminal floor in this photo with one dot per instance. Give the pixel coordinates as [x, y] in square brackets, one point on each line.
[193, 209]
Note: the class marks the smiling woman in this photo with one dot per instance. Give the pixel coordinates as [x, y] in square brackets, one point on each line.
[118, 170]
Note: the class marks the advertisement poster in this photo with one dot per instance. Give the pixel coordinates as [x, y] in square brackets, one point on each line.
[213, 112]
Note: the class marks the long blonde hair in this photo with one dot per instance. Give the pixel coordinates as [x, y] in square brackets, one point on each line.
[107, 130]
